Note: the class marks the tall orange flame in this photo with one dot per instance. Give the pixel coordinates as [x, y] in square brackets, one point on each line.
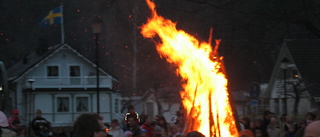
[205, 95]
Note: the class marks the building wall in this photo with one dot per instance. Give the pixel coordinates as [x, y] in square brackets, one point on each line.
[277, 106]
[48, 103]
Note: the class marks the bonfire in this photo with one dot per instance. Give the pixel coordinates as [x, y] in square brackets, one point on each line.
[204, 97]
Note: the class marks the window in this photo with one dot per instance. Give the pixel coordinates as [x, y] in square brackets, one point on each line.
[52, 71]
[74, 75]
[82, 104]
[63, 104]
[74, 71]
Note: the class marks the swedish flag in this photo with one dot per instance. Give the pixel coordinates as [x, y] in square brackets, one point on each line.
[54, 17]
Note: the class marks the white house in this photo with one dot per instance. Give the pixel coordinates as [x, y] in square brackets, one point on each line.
[62, 83]
[294, 84]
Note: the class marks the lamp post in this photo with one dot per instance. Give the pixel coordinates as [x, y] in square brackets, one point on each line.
[284, 66]
[30, 81]
[96, 25]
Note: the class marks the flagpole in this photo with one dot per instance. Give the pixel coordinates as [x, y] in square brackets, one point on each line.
[62, 28]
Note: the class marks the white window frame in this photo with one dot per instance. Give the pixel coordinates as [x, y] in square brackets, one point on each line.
[80, 66]
[76, 105]
[81, 71]
[57, 103]
[52, 77]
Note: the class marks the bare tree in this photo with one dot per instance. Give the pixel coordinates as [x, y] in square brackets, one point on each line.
[300, 87]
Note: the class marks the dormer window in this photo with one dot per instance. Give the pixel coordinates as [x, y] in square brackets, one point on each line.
[52, 72]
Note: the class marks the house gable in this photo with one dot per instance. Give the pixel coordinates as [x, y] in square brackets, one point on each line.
[293, 81]
[32, 61]
[277, 74]
[56, 67]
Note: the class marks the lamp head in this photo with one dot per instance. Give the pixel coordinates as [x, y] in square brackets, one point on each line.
[284, 63]
[31, 80]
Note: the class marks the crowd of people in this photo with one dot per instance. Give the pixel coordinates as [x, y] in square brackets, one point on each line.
[270, 125]
[132, 125]
[135, 125]
[11, 127]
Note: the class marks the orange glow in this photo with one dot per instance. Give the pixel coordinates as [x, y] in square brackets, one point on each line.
[205, 97]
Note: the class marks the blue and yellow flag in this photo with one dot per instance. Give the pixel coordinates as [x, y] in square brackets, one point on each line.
[54, 17]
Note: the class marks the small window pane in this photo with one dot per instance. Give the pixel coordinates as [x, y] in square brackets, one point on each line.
[52, 71]
[74, 71]
[63, 104]
[82, 104]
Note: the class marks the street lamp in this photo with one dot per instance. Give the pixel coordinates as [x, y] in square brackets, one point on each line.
[30, 81]
[96, 25]
[284, 66]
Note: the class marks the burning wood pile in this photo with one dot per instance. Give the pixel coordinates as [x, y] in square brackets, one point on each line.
[205, 97]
